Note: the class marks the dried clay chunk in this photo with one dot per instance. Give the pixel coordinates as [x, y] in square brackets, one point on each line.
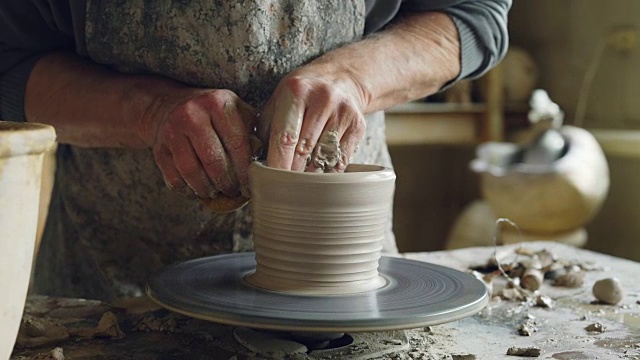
[572, 279]
[608, 291]
[224, 204]
[595, 327]
[532, 279]
[524, 352]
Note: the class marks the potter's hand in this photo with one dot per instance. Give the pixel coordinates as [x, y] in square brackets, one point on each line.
[200, 140]
[313, 121]
[325, 99]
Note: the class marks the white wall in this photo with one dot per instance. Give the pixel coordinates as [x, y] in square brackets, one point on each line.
[563, 36]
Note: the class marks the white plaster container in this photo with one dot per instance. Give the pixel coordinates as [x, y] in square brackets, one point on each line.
[22, 148]
[319, 233]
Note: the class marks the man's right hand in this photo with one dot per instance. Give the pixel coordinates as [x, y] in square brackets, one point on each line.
[200, 137]
[201, 141]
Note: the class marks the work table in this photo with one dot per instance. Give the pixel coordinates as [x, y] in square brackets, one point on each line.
[144, 331]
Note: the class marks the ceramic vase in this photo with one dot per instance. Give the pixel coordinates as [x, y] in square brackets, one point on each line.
[22, 148]
[319, 233]
[551, 199]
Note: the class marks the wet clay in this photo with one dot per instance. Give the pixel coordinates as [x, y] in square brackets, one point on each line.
[218, 202]
[319, 233]
[224, 204]
[328, 155]
[287, 123]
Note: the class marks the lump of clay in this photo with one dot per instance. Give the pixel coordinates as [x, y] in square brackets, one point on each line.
[608, 291]
[55, 354]
[574, 278]
[267, 343]
[37, 332]
[107, 328]
[524, 352]
[595, 327]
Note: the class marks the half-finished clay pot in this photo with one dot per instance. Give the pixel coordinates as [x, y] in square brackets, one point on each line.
[319, 233]
[22, 148]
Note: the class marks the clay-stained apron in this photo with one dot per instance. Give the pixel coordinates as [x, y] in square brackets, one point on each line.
[123, 224]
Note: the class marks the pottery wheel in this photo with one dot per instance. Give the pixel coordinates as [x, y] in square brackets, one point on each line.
[416, 294]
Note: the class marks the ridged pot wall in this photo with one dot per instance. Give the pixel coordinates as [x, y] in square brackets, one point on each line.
[319, 233]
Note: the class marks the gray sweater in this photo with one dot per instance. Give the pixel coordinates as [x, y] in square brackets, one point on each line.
[29, 29]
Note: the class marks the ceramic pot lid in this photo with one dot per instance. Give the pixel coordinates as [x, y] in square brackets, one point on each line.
[416, 294]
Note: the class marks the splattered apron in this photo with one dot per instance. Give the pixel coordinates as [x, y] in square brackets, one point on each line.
[113, 222]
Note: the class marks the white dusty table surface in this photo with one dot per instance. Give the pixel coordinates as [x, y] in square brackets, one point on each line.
[561, 329]
[148, 332]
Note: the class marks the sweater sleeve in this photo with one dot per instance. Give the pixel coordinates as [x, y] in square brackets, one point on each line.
[482, 27]
[28, 30]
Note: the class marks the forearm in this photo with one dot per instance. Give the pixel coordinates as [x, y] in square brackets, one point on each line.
[90, 105]
[412, 59]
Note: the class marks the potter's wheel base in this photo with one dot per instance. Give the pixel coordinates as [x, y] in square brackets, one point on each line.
[417, 294]
[260, 281]
[276, 344]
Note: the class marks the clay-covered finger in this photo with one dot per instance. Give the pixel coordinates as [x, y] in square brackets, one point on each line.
[215, 163]
[172, 178]
[190, 168]
[350, 140]
[286, 123]
[315, 119]
[303, 151]
[234, 128]
[249, 115]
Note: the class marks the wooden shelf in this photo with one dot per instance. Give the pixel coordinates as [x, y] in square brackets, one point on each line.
[418, 124]
[436, 108]
[451, 123]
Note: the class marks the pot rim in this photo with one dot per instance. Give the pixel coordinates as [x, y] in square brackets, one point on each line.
[17, 138]
[355, 173]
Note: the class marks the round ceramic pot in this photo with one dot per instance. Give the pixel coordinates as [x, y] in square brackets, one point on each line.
[22, 148]
[319, 233]
[555, 198]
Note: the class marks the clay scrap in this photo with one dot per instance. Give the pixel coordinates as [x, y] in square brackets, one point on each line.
[266, 343]
[543, 301]
[36, 332]
[527, 328]
[55, 354]
[518, 275]
[524, 352]
[595, 327]
[526, 272]
[573, 278]
[463, 357]
[107, 328]
[608, 291]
